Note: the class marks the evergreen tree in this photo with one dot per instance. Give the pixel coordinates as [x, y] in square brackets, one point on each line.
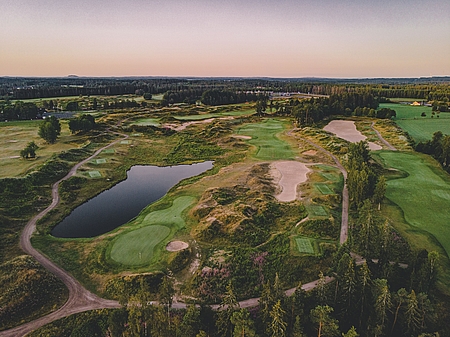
[326, 325]
[277, 327]
[243, 324]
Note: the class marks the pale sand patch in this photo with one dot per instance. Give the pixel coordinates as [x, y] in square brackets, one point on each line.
[288, 175]
[310, 153]
[241, 137]
[175, 246]
[347, 130]
[14, 157]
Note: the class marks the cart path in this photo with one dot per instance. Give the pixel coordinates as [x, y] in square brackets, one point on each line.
[79, 299]
[380, 137]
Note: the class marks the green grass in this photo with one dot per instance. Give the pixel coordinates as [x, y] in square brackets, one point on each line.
[94, 174]
[147, 122]
[316, 210]
[330, 176]
[423, 195]
[170, 216]
[100, 161]
[125, 142]
[14, 137]
[108, 151]
[419, 128]
[265, 139]
[304, 245]
[324, 189]
[137, 247]
[216, 114]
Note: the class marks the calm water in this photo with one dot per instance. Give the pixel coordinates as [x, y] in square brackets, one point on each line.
[124, 201]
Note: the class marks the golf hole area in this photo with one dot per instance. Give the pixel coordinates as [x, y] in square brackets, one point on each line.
[137, 247]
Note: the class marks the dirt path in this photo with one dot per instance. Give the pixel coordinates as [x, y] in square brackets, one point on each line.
[80, 299]
[380, 137]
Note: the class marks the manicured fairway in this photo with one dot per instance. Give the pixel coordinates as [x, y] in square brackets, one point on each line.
[170, 216]
[424, 195]
[137, 247]
[316, 210]
[304, 245]
[264, 137]
[419, 128]
[324, 189]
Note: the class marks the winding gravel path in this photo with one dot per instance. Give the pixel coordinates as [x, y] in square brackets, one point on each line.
[380, 137]
[79, 299]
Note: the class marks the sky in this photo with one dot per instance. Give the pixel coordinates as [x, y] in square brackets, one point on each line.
[230, 38]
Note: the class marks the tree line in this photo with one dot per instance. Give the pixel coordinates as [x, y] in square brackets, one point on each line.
[438, 147]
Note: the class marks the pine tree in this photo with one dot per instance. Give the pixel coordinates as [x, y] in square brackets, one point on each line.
[243, 324]
[277, 327]
[326, 325]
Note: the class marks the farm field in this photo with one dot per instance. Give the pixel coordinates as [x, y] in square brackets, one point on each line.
[419, 128]
[264, 138]
[423, 195]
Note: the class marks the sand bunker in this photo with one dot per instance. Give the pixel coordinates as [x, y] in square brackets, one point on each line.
[175, 246]
[310, 153]
[288, 175]
[241, 137]
[347, 130]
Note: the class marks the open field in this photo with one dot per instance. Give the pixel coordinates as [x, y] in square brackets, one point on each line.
[423, 194]
[14, 137]
[265, 139]
[419, 128]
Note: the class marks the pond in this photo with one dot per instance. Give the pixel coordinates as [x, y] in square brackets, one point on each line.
[118, 205]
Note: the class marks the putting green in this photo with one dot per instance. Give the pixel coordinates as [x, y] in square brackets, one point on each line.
[94, 174]
[264, 137]
[125, 142]
[316, 210]
[137, 247]
[324, 189]
[100, 161]
[108, 151]
[304, 245]
[424, 195]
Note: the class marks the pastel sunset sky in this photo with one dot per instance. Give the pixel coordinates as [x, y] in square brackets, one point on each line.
[283, 38]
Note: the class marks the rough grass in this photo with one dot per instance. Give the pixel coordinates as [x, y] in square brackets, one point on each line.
[137, 247]
[265, 139]
[423, 195]
[215, 114]
[14, 137]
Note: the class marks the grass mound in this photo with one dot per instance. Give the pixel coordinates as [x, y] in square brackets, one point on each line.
[137, 247]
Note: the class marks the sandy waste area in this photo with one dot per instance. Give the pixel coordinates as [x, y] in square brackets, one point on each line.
[347, 130]
[175, 246]
[288, 175]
